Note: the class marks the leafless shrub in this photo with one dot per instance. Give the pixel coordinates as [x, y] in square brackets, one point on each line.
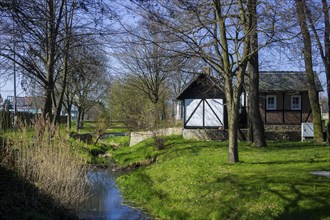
[101, 127]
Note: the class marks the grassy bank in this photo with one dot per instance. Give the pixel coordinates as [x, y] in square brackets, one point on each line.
[19, 199]
[94, 153]
[44, 176]
[192, 179]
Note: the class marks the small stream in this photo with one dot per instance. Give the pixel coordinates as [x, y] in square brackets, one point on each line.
[106, 201]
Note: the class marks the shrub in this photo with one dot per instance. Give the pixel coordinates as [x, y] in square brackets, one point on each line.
[159, 142]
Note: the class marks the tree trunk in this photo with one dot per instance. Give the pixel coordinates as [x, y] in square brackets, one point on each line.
[325, 53]
[326, 60]
[58, 109]
[258, 130]
[256, 124]
[57, 116]
[48, 105]
[312, 92]
[327, 71]
[78, 118]
[233, 136]
[249, 135]
[50, 58]
[82, 117]
[232, 112]
[69, 118]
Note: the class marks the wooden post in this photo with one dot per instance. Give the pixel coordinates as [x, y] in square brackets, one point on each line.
[301, 107]
[203, 113]
[283, 109]
[265, 108]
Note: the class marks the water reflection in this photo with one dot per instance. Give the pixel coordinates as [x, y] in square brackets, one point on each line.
[105, 201]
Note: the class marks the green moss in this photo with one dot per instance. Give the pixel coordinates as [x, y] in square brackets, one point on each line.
[192, 179]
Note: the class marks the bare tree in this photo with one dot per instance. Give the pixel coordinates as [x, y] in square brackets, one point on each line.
[183, 73]
[37, 32]
[89, 78]
[219, 33]
[148, 67]
[254, 119]
[324, 48]
[38, 38]
[307, 50]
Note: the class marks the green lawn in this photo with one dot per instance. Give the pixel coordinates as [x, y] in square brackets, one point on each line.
[192, 180]
[88, 127]
[116, 141]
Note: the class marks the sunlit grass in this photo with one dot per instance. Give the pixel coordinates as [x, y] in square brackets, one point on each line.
[116, 141]
[88, 127]
[92, 153]
[192, 179]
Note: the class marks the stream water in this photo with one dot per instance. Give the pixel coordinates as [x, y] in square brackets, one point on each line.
[106, 201]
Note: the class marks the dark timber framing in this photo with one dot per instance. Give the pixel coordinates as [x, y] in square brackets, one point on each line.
[203, 87]
[284, 85]
[304, 113]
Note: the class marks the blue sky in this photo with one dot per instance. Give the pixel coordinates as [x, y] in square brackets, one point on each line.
[269, 59]
[7, 86]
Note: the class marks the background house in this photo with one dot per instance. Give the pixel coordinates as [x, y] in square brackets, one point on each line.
[203, 103]
[284, 104]
[284, 98]
[32, 104]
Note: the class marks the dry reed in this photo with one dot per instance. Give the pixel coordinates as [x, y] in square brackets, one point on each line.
[46, 160]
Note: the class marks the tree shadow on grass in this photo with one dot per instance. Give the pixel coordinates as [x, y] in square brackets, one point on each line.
[294, 211]
[22, 200]
[153, 198]
[263, 197]
[286, 162]
[293, 145]
[188, 148]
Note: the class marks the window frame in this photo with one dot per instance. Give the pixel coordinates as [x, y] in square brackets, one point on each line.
[267, 103]
[292, 104]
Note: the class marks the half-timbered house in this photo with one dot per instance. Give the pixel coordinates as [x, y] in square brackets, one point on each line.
[283, 100]
[203, 103]
[284, 97]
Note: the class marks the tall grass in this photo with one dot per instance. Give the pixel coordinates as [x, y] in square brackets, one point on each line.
[45, 159]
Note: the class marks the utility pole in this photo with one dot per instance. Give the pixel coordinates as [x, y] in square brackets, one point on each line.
[15, 97]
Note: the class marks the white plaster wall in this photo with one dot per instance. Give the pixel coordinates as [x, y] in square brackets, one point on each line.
[210, 117]
[197, 117]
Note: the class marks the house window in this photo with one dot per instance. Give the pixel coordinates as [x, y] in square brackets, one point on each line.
[271, 102]
[296, 102]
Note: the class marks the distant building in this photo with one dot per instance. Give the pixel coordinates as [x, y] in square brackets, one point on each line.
[32, 104]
